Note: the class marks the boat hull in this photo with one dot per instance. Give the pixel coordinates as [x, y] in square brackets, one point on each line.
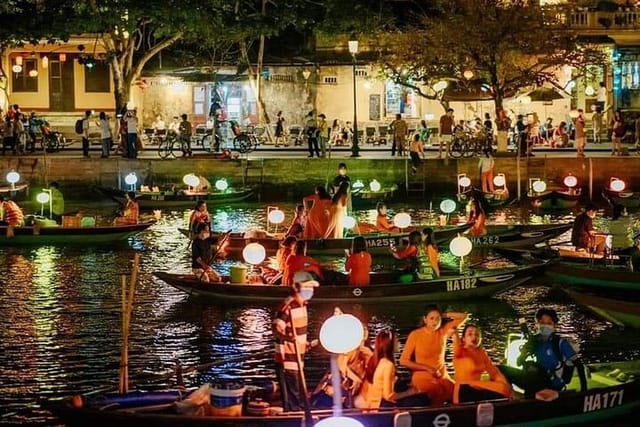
[594, 276]
[367, 198]
[627, 199]
[179, 199]
[555, 200]
[622, 313]
[518, 236]
[87, 236]
[441, 289]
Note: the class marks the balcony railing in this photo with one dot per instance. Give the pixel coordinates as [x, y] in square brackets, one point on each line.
[596, 20]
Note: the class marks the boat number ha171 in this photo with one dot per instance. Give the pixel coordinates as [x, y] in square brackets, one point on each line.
[607, 399]
[460, 284]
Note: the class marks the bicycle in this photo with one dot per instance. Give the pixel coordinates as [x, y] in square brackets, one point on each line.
[170, 145]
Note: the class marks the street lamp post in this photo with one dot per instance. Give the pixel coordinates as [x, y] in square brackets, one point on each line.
[355, 149]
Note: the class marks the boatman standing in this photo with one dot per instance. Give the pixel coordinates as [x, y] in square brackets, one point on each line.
[290, 330]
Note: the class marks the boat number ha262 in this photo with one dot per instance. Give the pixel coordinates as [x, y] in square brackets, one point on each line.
[485, 240]
[605, 400]
[460, 284]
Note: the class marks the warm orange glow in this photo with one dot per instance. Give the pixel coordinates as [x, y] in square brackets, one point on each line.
[63, 57]
[18, 60]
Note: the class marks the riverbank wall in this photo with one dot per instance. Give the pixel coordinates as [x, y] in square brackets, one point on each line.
[288, 179]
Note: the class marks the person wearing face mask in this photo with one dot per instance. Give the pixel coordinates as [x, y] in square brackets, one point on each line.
[554, 359]
[290, 330]
[423, 354]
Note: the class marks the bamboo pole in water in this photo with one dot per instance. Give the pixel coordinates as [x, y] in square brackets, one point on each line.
[127, 308]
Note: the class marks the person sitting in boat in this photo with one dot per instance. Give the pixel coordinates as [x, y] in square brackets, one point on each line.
[358, 263]
[318, 206]
[620, 229]
[299, 261]
[554, 359]
[409, 253]
[337, 212]
[202, 255]
[130, 211]
[199, 215]
[286, 248]
[57, 202]
[427, 256]
[423, 354]
[475, 214]
[382, 221]
[380, 376]
[470, 364]
[353, 366]
[298, 224]
[10, 213]
[583, 233]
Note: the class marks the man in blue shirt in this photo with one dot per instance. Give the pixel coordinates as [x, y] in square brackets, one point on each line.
[555, 359]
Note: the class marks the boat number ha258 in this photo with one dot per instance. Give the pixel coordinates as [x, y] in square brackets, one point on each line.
[460, 284]
[605, 400]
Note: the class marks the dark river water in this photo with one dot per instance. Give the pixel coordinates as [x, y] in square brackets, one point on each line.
[60, 319]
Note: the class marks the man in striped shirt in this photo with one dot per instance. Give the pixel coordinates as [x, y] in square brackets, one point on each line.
[290, 330]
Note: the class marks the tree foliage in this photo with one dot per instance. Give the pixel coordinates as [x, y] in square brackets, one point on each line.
[510, 44]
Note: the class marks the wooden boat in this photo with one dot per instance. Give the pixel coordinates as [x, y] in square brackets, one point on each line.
[378, 243]
[618, 311]
[58, 235]
[596, 275]
[365, 197]
[384, 287]
[628, 199]
[607, 398]
[493, 200]
[555, 199]
[178, 198]
[518, 236]
[8, 189]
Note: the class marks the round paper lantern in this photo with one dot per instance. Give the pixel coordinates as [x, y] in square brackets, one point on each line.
[341, 333]
[276, 216]
[499, 181]
[43, 197]
[13, 177]
[402, 220]
[468, 74]
[16, 68]
[539, 186]
[617, 184]
[447, 206]
[589, 90]
[254, 253]
[570, 181]
[131, 179]
[348, 222]
[339, 422]
[440, 86]
[222, 184]
[191, 180]
[464, 181]
[358, 184]
[460, 246]
[374, 185]
[33, 73]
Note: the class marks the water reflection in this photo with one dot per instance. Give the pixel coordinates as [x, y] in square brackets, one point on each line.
[60, 318]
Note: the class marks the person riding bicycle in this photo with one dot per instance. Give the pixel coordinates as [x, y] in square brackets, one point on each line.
[185, 136]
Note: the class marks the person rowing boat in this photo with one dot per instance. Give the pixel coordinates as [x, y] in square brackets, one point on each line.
[202, 255]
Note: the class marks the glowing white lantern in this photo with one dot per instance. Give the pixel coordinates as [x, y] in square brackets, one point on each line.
[43, 197]
[341, 333]
[460, 246]
[357, 185]
[468, 74]
[374, 185]
[539, 186]
[464, 181]
[13, 177]
[222, 184]
[447, 206]
[570, 181]
[16, 68]
[499, 180]
[402, 220]
[616, 184]
[33, 73]
[276, 216]
[131, 179]
[191, 180]
[348, 222]
[440, 86]
[589, 90]
[339, 422]
[254, 253]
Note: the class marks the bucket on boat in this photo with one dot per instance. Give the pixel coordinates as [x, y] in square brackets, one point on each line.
[238, 273]
[88, 221]
[258, 408]
[226, 398]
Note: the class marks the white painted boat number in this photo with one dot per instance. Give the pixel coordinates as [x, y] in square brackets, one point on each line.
[485, 240]
[442, 420]
[608, 399]
[357, 292]
[380, 243]
[460, 284]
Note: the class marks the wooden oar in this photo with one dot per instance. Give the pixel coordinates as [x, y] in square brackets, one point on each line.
[221, 242]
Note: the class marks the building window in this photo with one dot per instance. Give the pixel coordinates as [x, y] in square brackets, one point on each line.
[97, 78]
[23, 81]
[330, 80]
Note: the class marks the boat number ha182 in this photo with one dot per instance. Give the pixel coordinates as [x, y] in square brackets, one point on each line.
[460, 284]
[605, 400]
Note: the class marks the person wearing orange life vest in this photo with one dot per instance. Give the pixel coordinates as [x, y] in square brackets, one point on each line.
[10, 213]
[130, 211]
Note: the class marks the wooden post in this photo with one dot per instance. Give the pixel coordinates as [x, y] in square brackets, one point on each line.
[590, 178]
[127, 308]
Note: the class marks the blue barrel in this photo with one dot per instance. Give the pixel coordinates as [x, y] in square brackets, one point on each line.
[226, 398]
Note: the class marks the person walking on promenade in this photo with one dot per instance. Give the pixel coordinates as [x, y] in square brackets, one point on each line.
[399, 130]
[323, 133]
[416, 150]
[581, 136]
[105, 134]
[446, 132]
[132, 134]
[311, 132]
[617, 132]
[280, 137]
[85, 133]
[290, 330]
[34, 125]
[596, 125]
[185, 136]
